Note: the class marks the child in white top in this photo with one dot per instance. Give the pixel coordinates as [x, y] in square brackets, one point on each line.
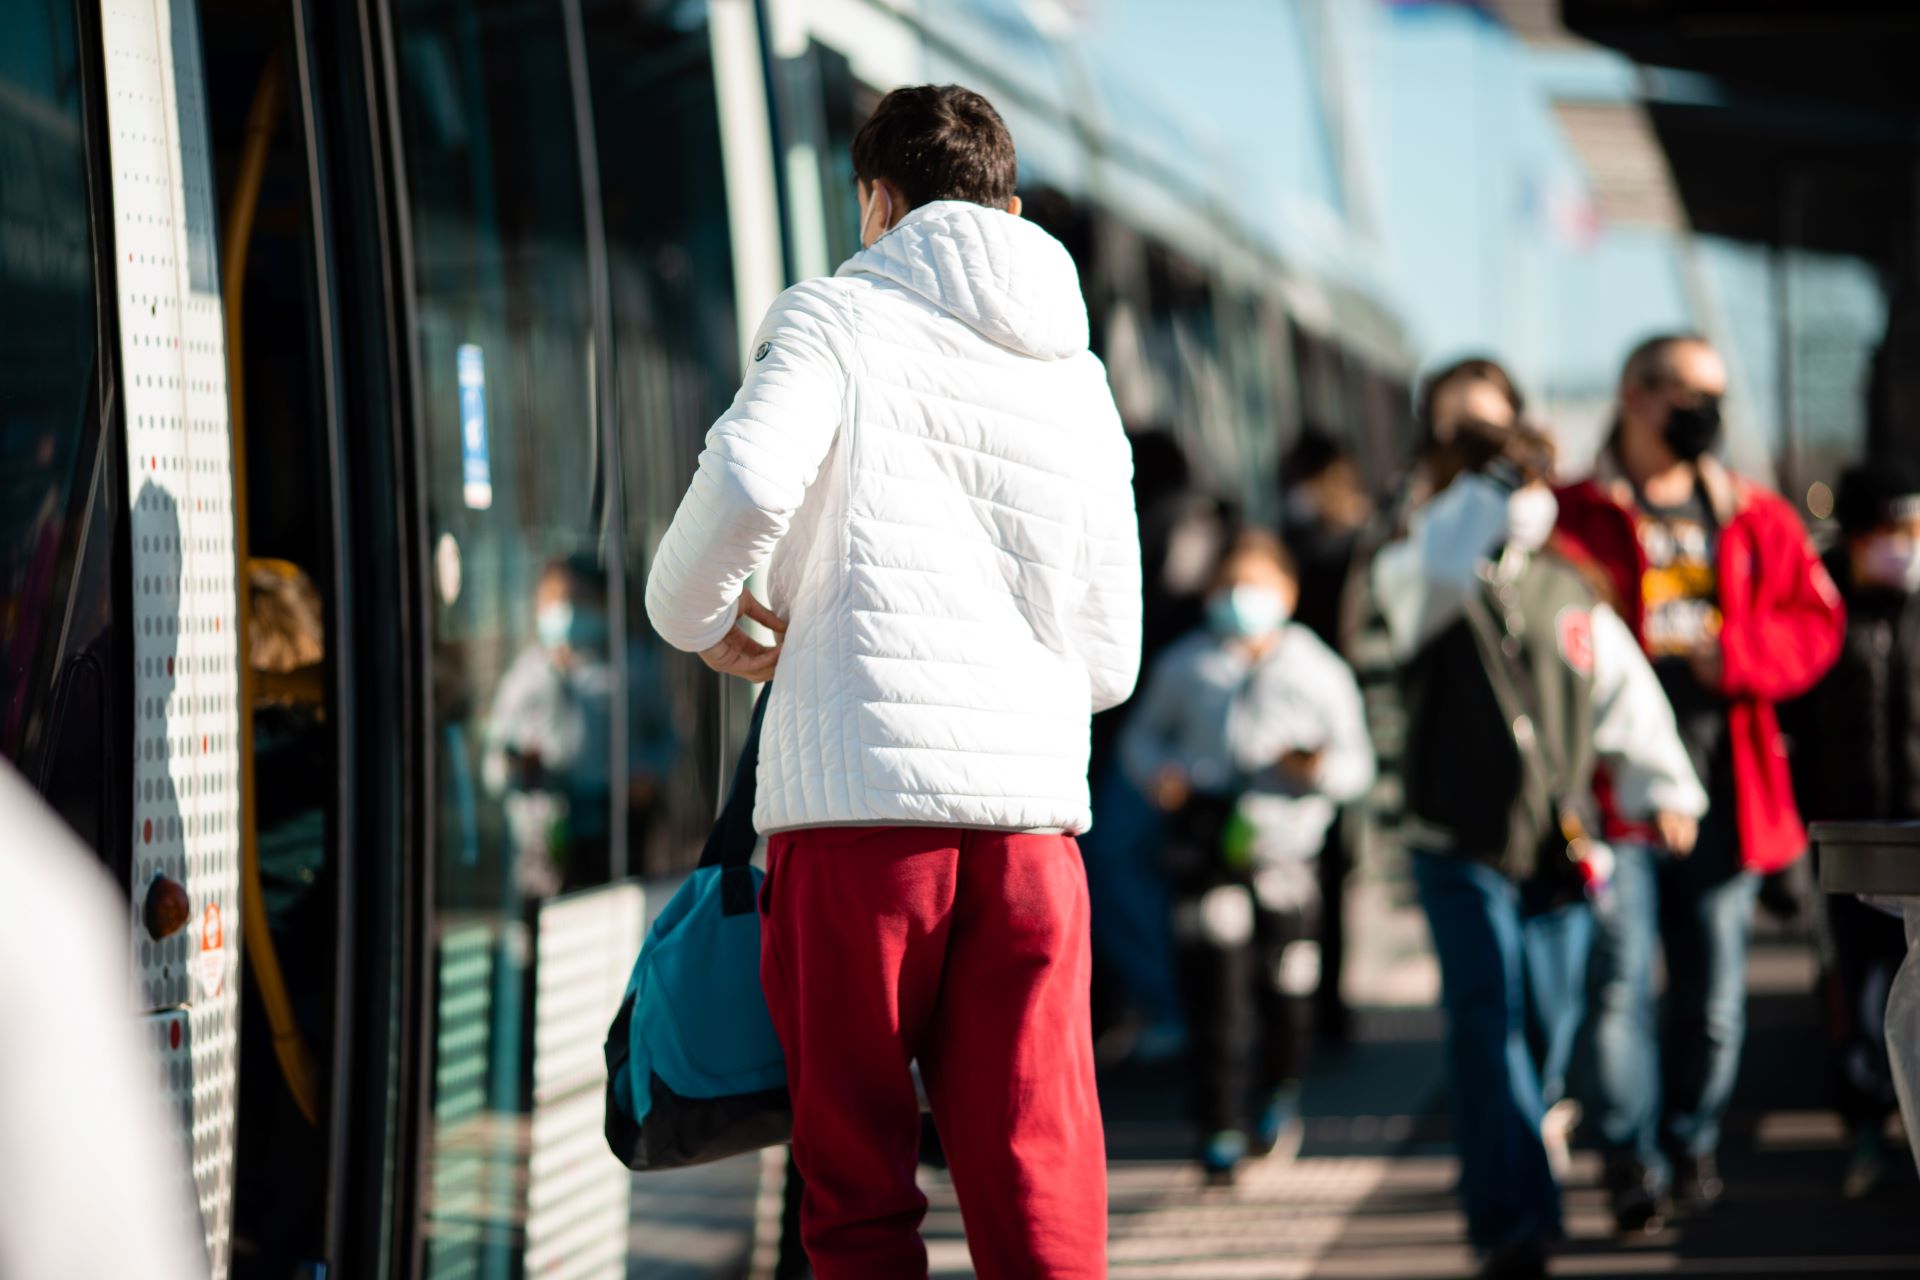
[1250, 732]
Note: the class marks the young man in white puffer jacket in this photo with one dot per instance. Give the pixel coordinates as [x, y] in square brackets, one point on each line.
[927, 460]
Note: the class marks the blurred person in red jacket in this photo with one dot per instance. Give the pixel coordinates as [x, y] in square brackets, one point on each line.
[1718, 579]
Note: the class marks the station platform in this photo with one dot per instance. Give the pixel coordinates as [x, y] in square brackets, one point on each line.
[1369, 1194]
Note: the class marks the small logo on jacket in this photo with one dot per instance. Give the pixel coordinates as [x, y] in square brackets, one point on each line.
[760, 352]
[1574, 628]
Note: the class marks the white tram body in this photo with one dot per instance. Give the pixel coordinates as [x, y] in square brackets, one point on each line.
[184, 618]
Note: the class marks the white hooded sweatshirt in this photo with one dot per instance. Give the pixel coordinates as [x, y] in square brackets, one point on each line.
[927, 459]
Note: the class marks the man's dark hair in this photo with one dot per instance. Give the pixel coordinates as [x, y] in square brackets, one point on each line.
[1876, 492]
[937, 142]
[1471, 369]
[581, 571]
[1651, 362]
[1314, 452]
[1254, 540]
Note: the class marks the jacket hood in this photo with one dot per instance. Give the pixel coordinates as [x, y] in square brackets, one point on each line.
[1727, 494]
[1001, 274]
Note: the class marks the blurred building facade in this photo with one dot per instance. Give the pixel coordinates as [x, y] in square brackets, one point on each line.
[1517, 187]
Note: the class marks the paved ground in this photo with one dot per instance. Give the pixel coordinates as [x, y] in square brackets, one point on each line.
[1369, 1194]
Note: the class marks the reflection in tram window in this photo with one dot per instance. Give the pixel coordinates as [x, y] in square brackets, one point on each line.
[504, 339]
[46, 356]
[504, 349]
[548, 735]
[676, 361]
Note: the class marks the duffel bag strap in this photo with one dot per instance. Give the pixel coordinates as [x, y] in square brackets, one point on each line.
[730, 844]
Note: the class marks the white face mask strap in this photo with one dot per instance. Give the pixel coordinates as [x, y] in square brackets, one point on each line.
[875, 194]
[1895, 561]
[1531, 515]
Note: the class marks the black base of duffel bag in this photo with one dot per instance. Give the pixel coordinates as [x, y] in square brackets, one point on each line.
[679, 1132]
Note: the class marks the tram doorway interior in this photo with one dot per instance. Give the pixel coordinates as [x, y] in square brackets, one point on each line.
[283, 544]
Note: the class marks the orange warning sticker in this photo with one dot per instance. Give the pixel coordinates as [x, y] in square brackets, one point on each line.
[212, 960]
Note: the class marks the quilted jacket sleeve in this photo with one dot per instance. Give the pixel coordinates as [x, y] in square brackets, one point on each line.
[1108, 637]
[761, 457]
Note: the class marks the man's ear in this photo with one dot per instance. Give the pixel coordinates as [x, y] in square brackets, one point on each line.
[1014, 206]
[895, 204]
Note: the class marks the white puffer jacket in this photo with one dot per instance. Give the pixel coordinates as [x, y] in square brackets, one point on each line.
[927, 458]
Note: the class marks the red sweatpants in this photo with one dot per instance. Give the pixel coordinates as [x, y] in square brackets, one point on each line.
[968, 951]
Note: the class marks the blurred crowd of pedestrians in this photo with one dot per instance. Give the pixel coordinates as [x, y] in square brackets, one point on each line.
[1599, 668]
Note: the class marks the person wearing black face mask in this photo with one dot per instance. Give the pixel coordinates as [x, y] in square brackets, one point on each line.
[1719, 580]
[1862, 724]
[1693, 426]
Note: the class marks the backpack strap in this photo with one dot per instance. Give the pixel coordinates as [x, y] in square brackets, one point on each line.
[1541, 759]
[731, 843]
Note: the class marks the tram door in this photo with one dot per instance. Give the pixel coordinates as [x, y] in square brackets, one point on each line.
[158, 311]
[123, 680]
[354, 669]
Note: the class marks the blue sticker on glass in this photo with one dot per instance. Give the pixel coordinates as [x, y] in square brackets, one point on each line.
[196, 177]
[476, 472]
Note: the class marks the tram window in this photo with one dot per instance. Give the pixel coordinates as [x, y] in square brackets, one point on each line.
[676, 365]
[522, 672]
[504, 347]
[47, 357]
[846, 103]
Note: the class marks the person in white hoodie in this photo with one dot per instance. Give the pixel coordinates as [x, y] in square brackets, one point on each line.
[1523, 688]
[926, 462]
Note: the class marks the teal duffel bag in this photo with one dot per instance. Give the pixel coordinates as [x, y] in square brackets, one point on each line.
[694, 1072]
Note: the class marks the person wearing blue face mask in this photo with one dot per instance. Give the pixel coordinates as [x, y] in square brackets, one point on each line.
[1249, 735]
[549, 735]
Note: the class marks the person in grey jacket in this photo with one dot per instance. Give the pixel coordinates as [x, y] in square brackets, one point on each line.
[1251, 733]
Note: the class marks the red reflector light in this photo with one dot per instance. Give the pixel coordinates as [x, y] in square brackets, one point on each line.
[166, 908]
[173, 1034]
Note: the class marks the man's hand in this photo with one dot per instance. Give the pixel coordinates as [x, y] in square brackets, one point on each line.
[1171, 789]
[739, 654]
[1677, 831]
[1707, 667]
[1302, 768]
[523, 766]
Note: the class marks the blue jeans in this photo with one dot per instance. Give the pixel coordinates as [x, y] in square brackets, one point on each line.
[1663, 1089]
[1132, 911]
[1514, 987]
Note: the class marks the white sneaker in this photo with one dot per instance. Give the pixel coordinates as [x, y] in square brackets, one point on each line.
[1556, 1133]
